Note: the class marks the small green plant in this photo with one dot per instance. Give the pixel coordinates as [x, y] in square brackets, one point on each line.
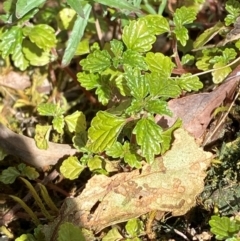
[132, 83]
[135, 85]
[225, 228]
[10, 174]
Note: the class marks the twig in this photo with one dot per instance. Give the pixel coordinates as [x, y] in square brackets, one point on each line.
[212, 70]
[181, 234]
[98, 28]
[221, 122]
[176, 56]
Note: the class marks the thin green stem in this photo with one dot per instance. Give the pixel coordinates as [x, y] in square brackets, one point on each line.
[162, 7]
[211, 70]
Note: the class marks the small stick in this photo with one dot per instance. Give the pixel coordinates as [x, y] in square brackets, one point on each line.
[222, 120]
[181, 234]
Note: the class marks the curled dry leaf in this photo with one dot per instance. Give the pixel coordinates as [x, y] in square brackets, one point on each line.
[170, 184]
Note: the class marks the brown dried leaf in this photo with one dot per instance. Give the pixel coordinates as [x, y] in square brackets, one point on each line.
[196, 110]
[170, 184]
[15, 80]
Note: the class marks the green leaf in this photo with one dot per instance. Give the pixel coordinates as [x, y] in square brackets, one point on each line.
[78, 6]
[104, 90]
[10, 39]
[134, 227]
[76, 122]
[47, 16]
[237, 44]
[38, 233]
[80, 140]
[130, 156]
[167, 136]
[24, 6]
[137, 37]
[157, 106]
[112, 235]
[187, 59]
[121, 5]
[83, 47]
[29, 172]
[43, 36]
[223, 227]
[42, 136]
[228, 54]
[220, 74]
[188, 82]
[181, 35]
[66, 18]
[68, 231]
[95, 163]
[233, 8]
[50, 109]
[121, 84]
[35, 55]
[116, 47]
[71, 168]
[159, 63]
[9, 175]
[88, 81]
[207, 55]
[104, 131]
[134, 60]
[148, 135]
[96, 62]
[26, 237]
[207, 35]
[58, 123]
[76, 35]
[8, 5]
[132, 160]
[183, 16]
[136, 106]
[157, 24]
[159, 86]
[116, 150]
[3, 154]
[19, 59]
[137, 83]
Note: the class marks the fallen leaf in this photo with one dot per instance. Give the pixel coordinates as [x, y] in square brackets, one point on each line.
[196, 110]
[15, 80]
[170, 184]
[25, 148]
